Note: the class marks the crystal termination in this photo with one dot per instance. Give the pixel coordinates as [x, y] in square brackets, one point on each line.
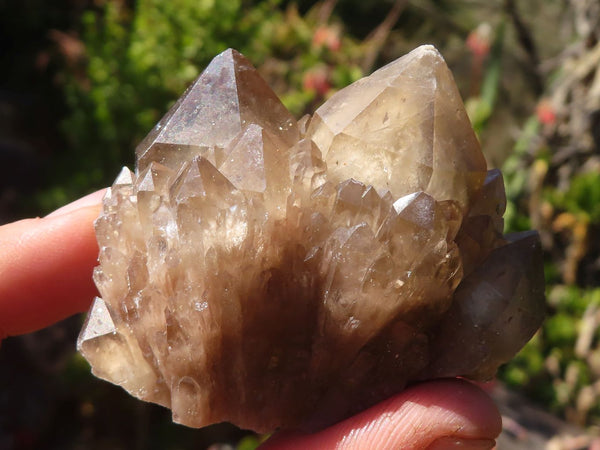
[282, 274]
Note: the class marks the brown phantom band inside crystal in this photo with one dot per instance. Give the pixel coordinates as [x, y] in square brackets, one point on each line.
[282, 274]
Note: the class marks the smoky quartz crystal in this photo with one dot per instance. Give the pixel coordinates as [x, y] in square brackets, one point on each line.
[275, 273]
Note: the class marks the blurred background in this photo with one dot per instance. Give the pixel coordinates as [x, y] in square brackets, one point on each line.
[83, 81]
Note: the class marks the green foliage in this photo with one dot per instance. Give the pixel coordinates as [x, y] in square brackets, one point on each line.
[516, 217]
[481, 108]
[249, 443]
[560, 330]
[582, 198]
[526, 366]
[573, 300]
[549, 367]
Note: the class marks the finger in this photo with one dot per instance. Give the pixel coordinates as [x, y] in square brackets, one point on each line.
[440, 414]
[46, 267]
[93, 199]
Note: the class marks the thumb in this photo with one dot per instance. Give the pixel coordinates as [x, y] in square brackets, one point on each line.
[440, 414]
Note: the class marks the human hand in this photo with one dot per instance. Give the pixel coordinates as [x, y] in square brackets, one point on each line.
[46, 275]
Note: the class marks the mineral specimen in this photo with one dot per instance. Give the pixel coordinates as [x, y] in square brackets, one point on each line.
[277, 275]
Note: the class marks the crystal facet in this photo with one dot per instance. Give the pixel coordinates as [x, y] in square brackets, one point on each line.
[276, 275]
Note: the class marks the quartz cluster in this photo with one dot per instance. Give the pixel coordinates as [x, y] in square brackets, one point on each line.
[276, 273]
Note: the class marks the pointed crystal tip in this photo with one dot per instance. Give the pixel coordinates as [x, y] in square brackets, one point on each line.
[216, 108]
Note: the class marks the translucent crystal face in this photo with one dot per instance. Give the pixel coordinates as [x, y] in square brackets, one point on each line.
[254, 273]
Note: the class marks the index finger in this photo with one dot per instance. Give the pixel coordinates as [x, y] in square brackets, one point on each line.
[46, 267]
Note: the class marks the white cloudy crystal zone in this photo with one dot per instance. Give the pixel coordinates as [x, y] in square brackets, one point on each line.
[276, 275]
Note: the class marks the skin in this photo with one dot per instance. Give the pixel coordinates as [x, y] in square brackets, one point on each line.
[46, 275]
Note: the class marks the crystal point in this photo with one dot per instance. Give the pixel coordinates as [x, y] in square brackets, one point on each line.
[406, 118]
[504, 296]
[283, 275]
[217, 107]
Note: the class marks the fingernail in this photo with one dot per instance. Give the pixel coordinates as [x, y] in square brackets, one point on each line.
[456, 443]
[92, 199]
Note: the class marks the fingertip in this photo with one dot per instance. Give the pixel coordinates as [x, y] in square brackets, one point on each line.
[94, 200]
[46, 269]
